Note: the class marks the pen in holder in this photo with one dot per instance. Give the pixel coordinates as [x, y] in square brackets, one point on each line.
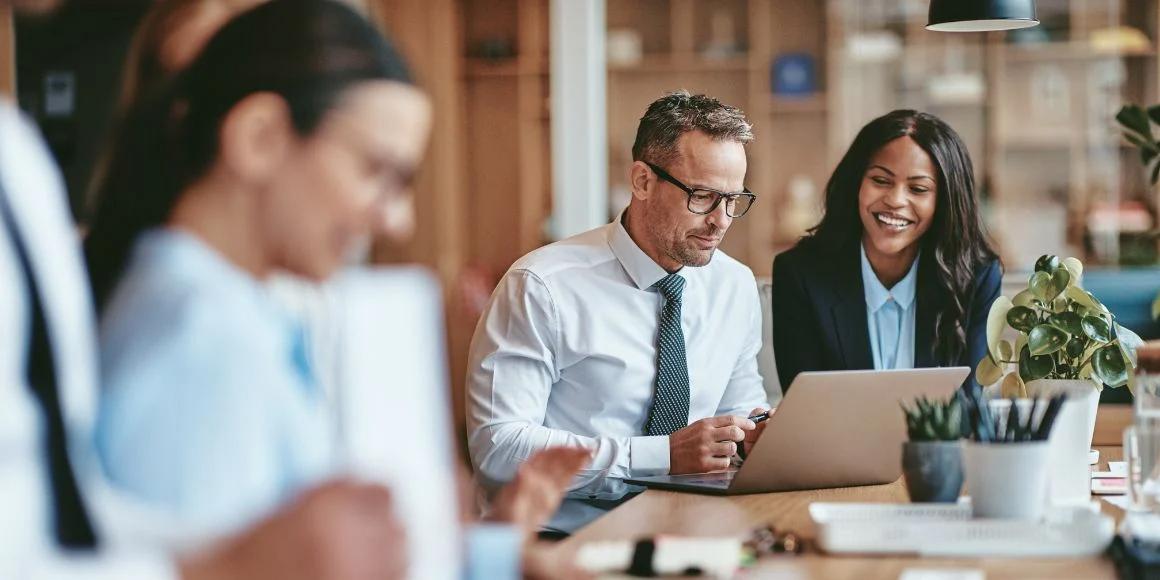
[1006, 457]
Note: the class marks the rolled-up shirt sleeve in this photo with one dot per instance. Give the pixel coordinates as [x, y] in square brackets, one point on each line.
[511, 370]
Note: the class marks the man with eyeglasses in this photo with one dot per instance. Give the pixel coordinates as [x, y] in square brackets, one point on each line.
[636, 339]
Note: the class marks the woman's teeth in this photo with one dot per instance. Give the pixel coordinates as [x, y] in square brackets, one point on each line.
[891, 221]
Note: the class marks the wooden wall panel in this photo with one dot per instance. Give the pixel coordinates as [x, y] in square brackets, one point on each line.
[7, 53]
[484, 192]
[428, 35]
[493, 136]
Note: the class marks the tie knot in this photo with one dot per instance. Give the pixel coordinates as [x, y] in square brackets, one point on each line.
[671, 286]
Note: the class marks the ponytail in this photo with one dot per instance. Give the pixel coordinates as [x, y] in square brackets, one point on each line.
[306, 51]
[140, 186]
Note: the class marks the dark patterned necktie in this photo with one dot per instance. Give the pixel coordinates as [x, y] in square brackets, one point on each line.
[670, 409]
[71, 521]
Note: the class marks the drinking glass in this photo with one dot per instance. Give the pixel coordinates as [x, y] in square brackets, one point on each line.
[1142, 455]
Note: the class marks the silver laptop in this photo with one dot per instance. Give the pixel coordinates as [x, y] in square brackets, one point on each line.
[832, 429]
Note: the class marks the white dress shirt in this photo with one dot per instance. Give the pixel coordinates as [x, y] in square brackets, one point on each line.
[890, 317]
[565, 354]
[28, 551]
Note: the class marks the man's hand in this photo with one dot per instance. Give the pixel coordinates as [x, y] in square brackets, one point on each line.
[339, 531]
[538, 488]
[707, 444]
[751, 436]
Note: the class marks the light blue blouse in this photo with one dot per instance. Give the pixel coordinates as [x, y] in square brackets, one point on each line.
[890, 316]
[209, 411]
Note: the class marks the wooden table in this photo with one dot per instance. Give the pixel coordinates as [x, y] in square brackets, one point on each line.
[655, 512]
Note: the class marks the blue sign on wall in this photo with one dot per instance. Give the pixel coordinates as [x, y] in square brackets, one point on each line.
[794, 75]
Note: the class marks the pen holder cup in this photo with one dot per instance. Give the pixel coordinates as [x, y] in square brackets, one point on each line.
[1007, 480]
[1068, 466]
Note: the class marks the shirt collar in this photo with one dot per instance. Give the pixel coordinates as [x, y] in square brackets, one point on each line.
[641, 268]
[174, 248]
[877, 295]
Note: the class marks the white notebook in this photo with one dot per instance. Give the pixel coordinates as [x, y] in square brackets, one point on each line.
[394, 409]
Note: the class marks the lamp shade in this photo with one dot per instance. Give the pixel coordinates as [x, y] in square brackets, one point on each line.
[980, 15]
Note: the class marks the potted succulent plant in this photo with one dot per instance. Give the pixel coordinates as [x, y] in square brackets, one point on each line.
[932, 458]
[1066, 342]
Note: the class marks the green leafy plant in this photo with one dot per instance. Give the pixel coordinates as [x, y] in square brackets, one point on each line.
[930, 420]
[1136, 122]
[1064, 333]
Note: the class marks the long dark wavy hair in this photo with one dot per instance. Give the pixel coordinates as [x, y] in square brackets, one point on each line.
[309, 52]
[956, 245]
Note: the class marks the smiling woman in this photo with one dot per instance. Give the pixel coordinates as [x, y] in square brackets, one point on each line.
[899, 273]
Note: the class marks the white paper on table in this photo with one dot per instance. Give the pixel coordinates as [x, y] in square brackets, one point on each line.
[941, 574]
[1141, 525]
[393, 407]
[1120, 501]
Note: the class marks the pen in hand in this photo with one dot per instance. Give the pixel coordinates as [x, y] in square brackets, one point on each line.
[759, 417]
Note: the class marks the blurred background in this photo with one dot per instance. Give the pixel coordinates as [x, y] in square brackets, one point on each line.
[1036, 108]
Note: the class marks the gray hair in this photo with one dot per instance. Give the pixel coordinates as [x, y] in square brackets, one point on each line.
[680, 112]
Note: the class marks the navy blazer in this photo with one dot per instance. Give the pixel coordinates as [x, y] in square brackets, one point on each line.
[819, 313]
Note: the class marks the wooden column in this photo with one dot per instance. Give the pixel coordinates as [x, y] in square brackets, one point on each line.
[7, 53]
[760, 177]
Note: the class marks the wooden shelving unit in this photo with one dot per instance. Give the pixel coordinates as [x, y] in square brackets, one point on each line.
[797, 106]
[481, 67]
[508, 175]
[1019, 155]
[1055, 51]
[1068, 149]
[670, 64]
[1026, 156]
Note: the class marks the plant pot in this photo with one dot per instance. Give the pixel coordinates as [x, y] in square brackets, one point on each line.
[1071, 438]
[934, 470]
[1007, 480]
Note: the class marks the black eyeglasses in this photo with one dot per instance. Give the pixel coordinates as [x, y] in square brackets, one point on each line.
[705, 201]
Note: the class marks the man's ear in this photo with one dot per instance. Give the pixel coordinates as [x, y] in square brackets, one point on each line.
[642, 179]
[256, 136]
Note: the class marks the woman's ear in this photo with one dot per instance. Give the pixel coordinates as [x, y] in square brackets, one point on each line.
[256, 136]
[641, 179]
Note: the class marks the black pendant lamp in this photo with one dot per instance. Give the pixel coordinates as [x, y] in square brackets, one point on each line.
[981, 15]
